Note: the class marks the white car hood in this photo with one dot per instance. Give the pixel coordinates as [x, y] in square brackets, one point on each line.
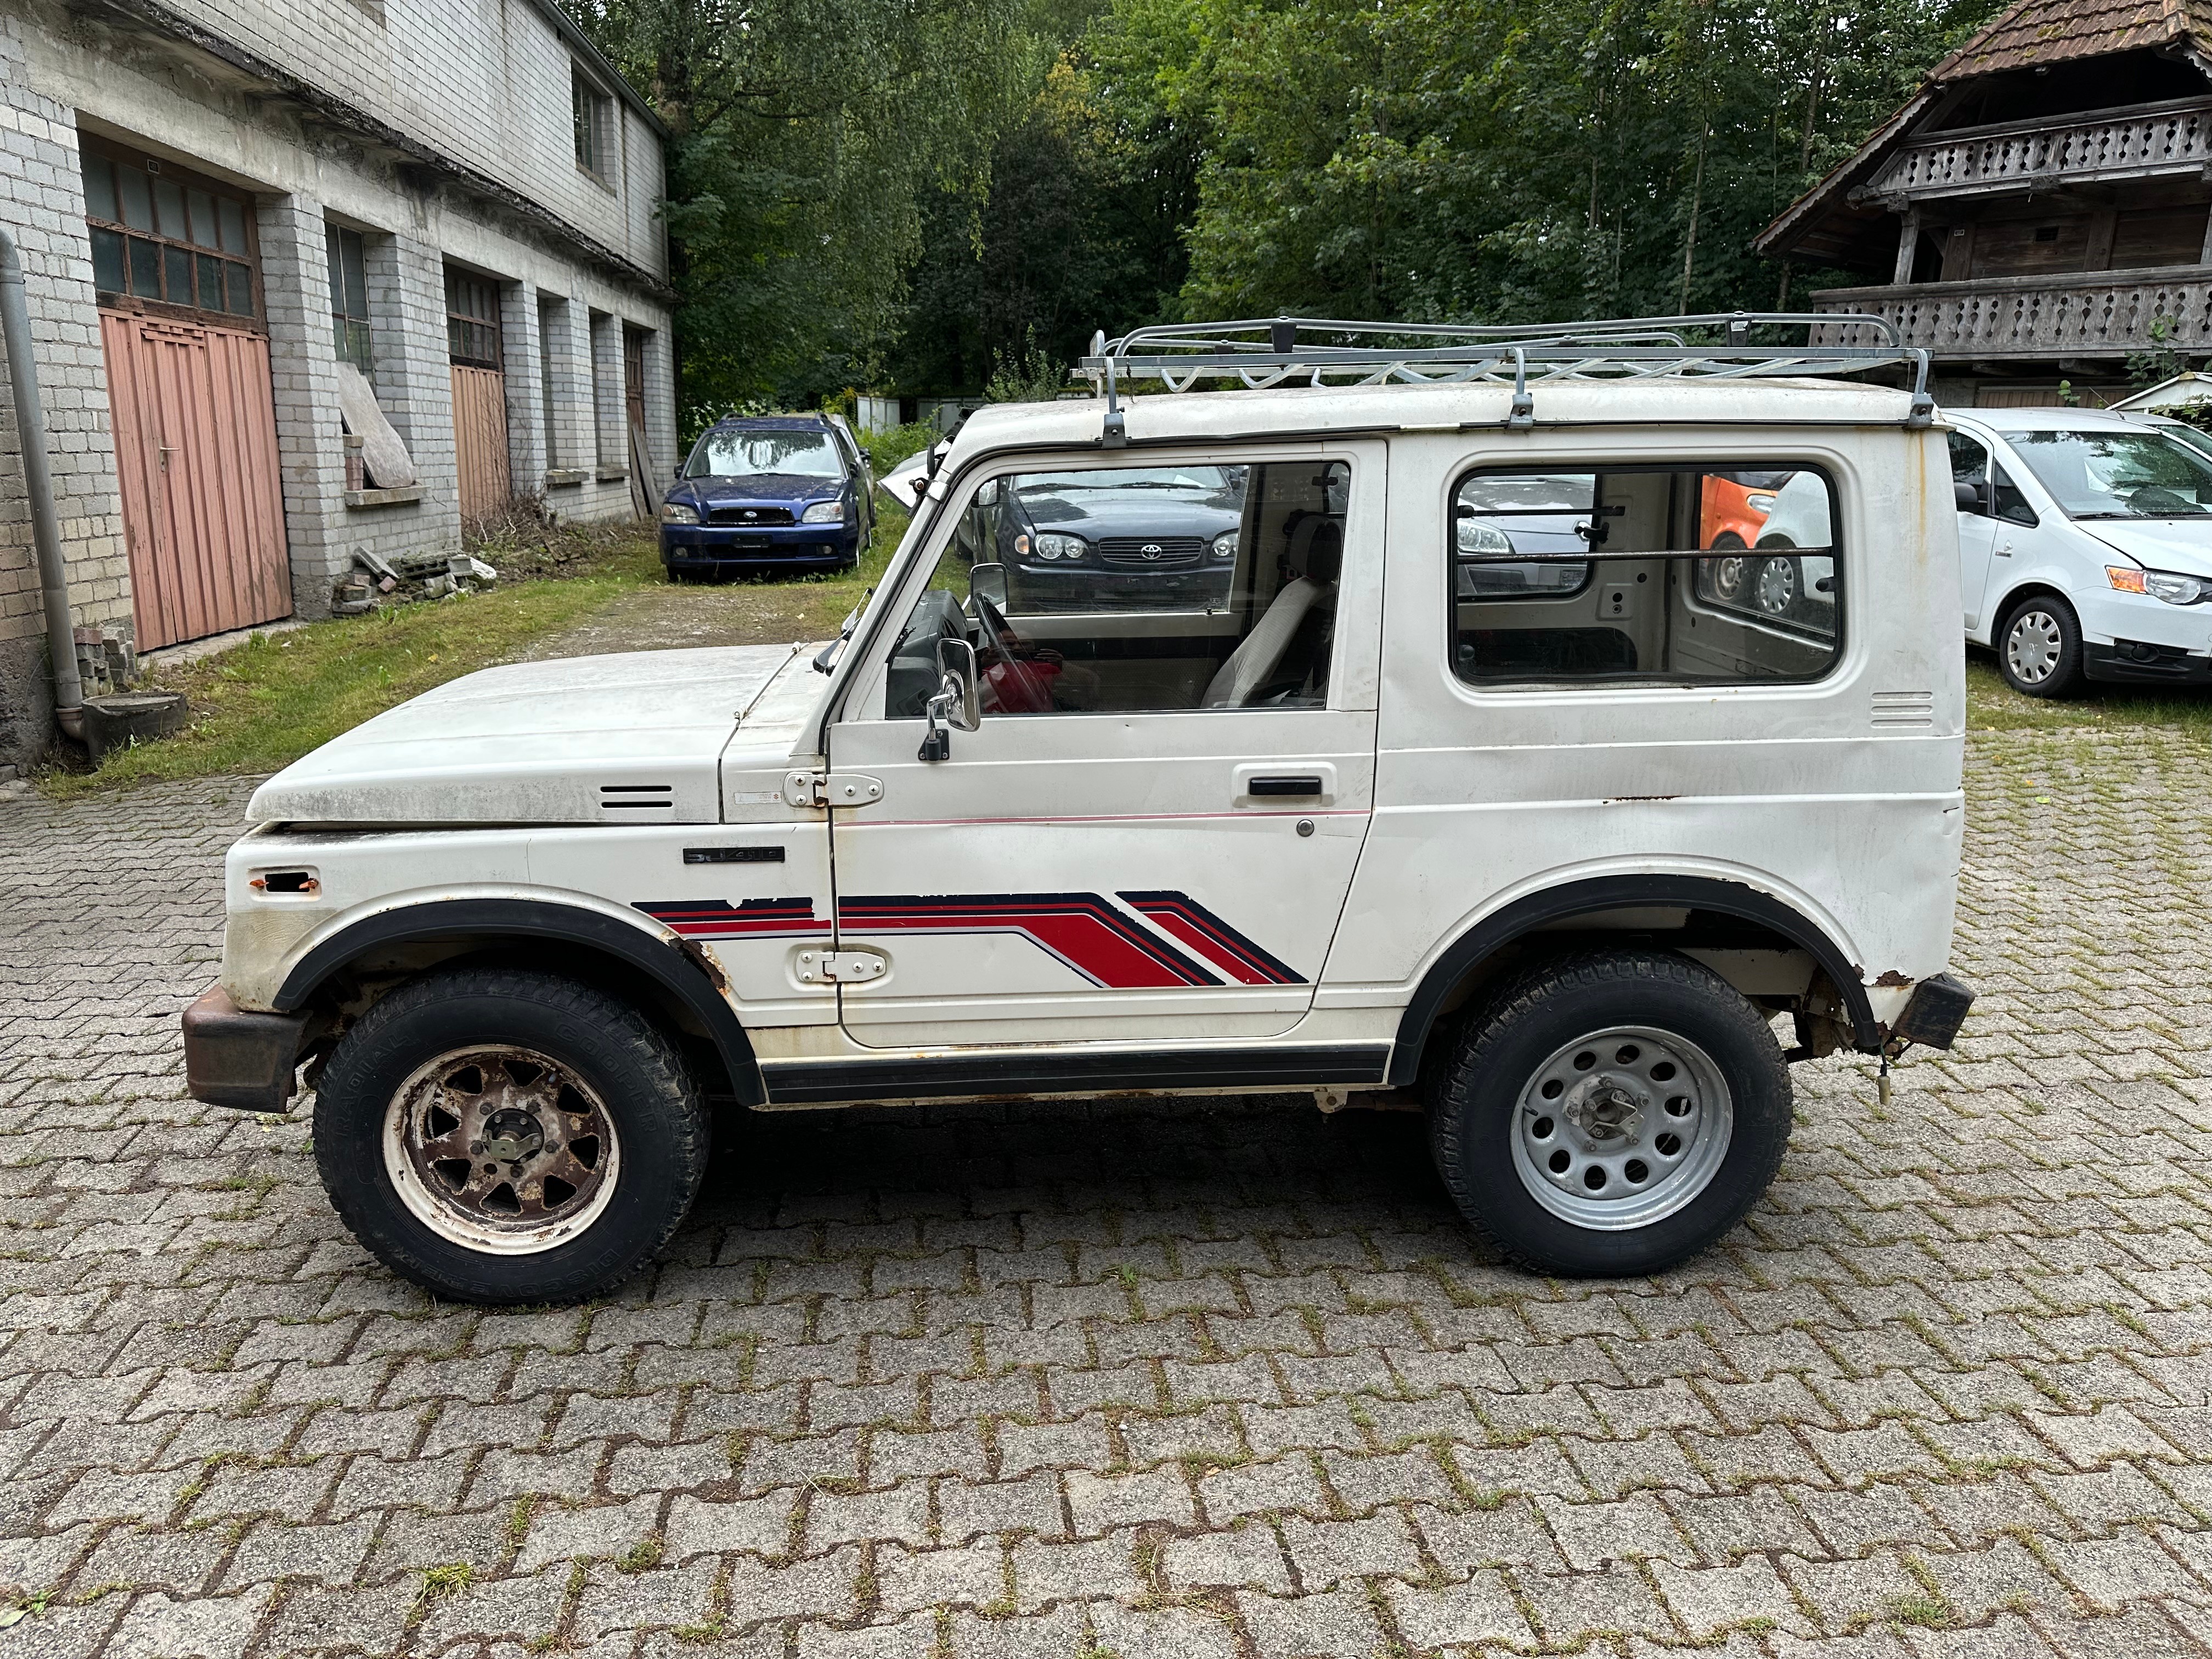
[2178, 544]
[620, 739]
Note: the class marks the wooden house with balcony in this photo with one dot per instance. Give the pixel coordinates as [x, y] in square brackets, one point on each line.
[2040, 210]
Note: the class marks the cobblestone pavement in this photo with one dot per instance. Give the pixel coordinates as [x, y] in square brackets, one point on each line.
[1222, 1380]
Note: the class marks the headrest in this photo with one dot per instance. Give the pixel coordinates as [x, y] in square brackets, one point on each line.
[1316, 551]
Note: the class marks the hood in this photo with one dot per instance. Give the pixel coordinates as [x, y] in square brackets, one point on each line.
[2183, 545]
[620, 739]
[1096, 512]
[763, 487]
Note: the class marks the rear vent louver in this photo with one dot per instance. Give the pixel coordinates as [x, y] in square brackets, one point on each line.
[632, 801]
[1903, 710]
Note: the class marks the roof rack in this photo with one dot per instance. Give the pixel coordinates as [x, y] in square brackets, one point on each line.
[1282, 351]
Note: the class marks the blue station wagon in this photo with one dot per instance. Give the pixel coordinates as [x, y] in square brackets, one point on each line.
[765, 494]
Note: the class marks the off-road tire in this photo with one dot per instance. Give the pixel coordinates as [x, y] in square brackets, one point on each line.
[2066, 676]
[1475, 1100]
[659, 1118]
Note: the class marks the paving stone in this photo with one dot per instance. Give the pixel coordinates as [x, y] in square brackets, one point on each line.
[1924, 1353]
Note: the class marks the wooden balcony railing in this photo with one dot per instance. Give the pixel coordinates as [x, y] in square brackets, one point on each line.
[2096, 313]
[2148, 141]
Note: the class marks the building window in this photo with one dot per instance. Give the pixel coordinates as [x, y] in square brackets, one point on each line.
[472, 319]
[164, 235]
[594, 115]
[350, 299]
[549, 365]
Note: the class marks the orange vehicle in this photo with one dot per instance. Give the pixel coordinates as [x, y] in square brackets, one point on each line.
[1734, 506]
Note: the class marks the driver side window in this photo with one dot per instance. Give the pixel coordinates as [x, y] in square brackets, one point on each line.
[1169, 587]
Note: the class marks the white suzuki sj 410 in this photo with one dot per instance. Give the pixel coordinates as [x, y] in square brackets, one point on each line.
[1464, 734]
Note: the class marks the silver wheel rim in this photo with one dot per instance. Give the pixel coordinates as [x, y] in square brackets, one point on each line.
[1777, 586]
[2032, 646]
[501, 1150]
[1727, 576]
[1645, 1114]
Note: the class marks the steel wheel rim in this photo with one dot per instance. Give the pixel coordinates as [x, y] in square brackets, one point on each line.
[501, 1149]
[1777, 586]
[1618, 1101]
[2031, 645]
[1727, 576]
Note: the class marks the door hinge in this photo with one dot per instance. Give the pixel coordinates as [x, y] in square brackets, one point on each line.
[831, 788]
[820, 967]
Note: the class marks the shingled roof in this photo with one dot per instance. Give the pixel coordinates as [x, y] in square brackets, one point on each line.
[2037, 33]
[2033, 34]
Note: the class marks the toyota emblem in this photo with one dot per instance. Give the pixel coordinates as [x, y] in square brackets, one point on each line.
[1150, 549]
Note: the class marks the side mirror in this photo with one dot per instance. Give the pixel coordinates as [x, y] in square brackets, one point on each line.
[1969, 495]
[958, 704]
[988, 581]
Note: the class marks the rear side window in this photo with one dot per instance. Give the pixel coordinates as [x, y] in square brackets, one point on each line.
[1662, 575]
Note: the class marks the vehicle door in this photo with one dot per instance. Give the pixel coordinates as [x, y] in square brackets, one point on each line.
[1150, 836]
[1978, 525]
[2021, 541]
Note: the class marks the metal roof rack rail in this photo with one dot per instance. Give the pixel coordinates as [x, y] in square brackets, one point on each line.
[1283, 351]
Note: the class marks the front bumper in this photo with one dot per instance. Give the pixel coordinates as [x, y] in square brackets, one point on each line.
[241, 1060]
[2138, 662]
[773, 547]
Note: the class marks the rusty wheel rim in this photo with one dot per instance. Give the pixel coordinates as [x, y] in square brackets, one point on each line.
[501, 1150]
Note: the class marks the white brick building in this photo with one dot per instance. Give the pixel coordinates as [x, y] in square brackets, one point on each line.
[216, 201]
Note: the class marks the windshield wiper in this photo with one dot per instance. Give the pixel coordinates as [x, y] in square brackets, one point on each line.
[2200, 513]
[825, 660]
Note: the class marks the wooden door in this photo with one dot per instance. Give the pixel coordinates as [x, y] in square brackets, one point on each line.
[196, 462]
[480, 440]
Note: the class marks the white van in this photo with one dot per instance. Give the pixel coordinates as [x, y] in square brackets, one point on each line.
[2085, 547]
[1480, 774]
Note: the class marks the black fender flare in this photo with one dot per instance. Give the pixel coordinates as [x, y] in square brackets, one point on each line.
[1579, 898]
[678, 971]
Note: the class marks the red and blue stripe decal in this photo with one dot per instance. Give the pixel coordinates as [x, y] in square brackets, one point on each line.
[1090, 934]
[1082, 930]
[717, 919]
[1184, 918]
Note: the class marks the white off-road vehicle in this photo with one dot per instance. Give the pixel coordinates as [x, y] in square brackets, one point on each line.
[1462, 770]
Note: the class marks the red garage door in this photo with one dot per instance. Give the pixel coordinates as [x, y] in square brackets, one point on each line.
[195, 460]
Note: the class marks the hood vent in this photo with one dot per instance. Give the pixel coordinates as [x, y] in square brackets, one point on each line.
[630, 803]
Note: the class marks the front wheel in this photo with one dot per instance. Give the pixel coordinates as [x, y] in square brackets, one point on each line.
[1611, 1114]
[501, 1136]
[2040, 648]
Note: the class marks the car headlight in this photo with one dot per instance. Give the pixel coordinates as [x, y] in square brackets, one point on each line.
[677, 512]
[1225, 545]
[1476, 537]
[1052, 545]
[823, 512]
[2176, 588]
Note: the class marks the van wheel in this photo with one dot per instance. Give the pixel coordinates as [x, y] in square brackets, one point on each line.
[1611, 1114]
[2040, 648]
[499, 1135]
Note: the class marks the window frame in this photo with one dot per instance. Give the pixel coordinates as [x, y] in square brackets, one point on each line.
[343, 321]
[1827, 470]
[590, 109]
[862, 672]
[117, 156]
[459, 278]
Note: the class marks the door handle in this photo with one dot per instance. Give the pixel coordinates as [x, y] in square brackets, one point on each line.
[2004, 550]
[1305, 784]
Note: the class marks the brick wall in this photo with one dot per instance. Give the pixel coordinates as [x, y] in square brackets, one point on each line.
[42, 204]
[485, 81]
[53, 66]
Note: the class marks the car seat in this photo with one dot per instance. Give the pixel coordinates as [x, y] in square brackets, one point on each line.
[1313, 560]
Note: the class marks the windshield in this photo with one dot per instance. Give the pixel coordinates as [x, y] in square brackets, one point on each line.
[744, 454]
[2118, 475]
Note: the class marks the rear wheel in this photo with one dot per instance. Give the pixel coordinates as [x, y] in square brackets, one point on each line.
[2040, 648]
[1611, 1114]
[501, 1136]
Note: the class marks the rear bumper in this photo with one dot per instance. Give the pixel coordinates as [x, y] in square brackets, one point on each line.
[241, 1060]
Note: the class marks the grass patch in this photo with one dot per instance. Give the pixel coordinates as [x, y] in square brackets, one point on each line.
[1993, 706]
[259, 706]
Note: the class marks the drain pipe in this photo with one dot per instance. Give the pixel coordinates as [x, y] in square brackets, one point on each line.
[38, 481]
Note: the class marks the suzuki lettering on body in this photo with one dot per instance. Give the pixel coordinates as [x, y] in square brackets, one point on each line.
[1135, 774]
